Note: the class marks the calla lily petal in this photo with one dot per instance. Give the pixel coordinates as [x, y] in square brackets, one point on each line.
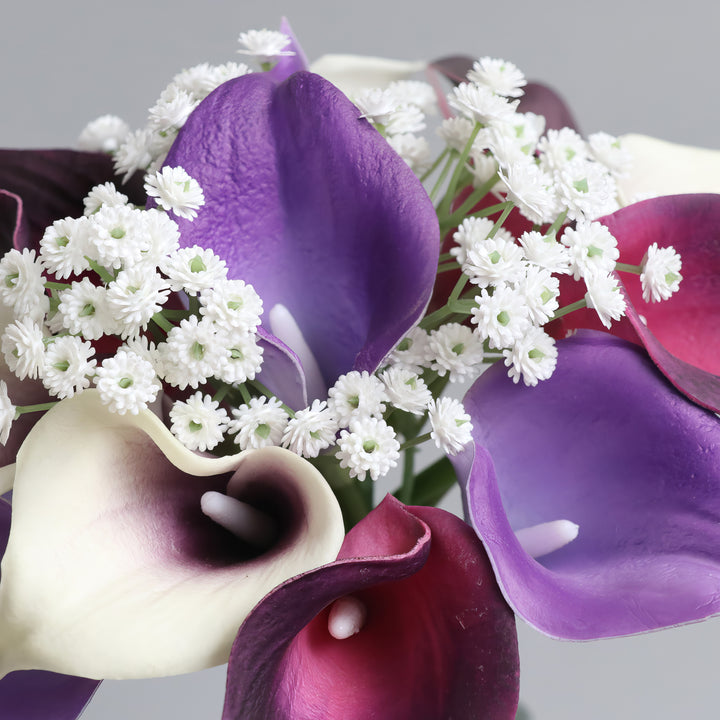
[36, 695]
[52, 185]
[608, 444]
[112, 570]
[438, 640]
[354, 73]
[664, 168]
[286, 65]
[306, 201]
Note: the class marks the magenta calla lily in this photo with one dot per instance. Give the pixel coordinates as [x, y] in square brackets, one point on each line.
[438, 642]
[107, 530]
[606, 443]
[682, 334]
[34, 694]
[306, 201]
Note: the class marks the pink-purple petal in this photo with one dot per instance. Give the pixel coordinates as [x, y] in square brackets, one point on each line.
[286, 65]
[439, 640]
[609, 444]
[37, 695]
[306, 201]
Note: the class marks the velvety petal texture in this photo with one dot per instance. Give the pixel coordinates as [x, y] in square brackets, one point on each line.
[112, 570]
[306, 201]
[439, 640]
[51, 184]
[37, 695]
[664, 168]
[608, 444]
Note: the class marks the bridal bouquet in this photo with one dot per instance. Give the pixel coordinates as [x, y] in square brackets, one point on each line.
[221, 329]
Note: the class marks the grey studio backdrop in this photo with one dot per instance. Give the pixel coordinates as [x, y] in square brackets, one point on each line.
[621, 67]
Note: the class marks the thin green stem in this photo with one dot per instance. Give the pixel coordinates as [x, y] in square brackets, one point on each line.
[162, 322]
[105, 275]
[441, 179]
[408, 481]
[40, 407]
[56, 285]
[245, 394]
[414, 442]
[452, 185]
[624, 267]
[269, 394]
[435, 165]
[569, 308]
[447, 267]
[557, 224]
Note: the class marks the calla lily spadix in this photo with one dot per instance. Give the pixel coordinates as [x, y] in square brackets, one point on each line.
[608, 444]
[435, 640]
[113, 570]
[306, 201]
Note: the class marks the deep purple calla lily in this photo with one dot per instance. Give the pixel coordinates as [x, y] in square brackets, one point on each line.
[682, 334]
[306, 201]
[438, 642]
[37, 695]
[286, 65]
[41, 186]
[606, 443]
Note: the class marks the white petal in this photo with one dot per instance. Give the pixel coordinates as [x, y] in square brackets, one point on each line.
[112, 570]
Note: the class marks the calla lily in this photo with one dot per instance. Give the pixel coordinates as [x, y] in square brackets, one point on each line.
[37, 695]
[664, 168]
[608, 445]
[681, 333]
[111, 568]
[438, 640]
[308, 203]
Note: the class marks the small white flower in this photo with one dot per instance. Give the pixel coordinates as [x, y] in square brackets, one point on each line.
[607, 149]
[532, 190]
[541, 291]
[559, 147]
[136, 153]
[415, 92]
[375, 104]
[414, 150]
[545, 252]
[104, 134]
[496, 260]
[175, 191]
[67, 366]
[127, 383]
[406, 390]
[451, 425]
[472, 231]
[405, 119]
[369, 447]
[232, 303]
[586, 189]
[84, 310]
[357, 394]
[135, 295]
[604, 296]
[456, 132]
[502, 317]
[500, 76]
[264, 44]
[7, 413]
[22, 285]
[64, 246]
[660, 276]
[172, 109]
[593, 249]
[161, 236]
[193, 269]
[23, 348]
[115, 237]
[199, 422]
[311, 430]
[480, 103]
[259, 424]
[456, 350]
[105, 194]
[412, 351]
[532, 358]
[243, 358]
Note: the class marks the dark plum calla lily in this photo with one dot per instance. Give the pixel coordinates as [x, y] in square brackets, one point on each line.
[38, 187]
[439, 640]
[306, 201]
[606, 443]
[37, 695]
[682, 334]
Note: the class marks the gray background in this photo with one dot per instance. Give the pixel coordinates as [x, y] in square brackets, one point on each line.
[622, 67]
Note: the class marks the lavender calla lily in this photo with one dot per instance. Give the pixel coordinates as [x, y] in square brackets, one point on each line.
[37, 695]
[308, 203]
[609, 445]
[107, 529]
[438, 639]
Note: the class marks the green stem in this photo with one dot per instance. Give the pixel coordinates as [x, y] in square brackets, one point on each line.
[441, 179]
[105, 275]
[245, 394]
[568, 309]
[353, 499]
[557, 224]
[40, 407]
[447, 267]
[446, 203]
[56, 285]
[473, 199]
[415, 441]
[268, 394]
[624, 267]
[162, 322]
[408, 481]
[435, 165]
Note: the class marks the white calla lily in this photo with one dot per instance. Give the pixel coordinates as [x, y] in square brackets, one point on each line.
[111, 568]
[664, 168]
[353, 73]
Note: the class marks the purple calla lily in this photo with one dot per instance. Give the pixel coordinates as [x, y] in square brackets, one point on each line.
[438, 641]
[306, 201]
[37, 695]
[607, 444]
[680, 334]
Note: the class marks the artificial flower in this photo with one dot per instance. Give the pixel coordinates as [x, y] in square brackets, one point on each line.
[306, 201]
[608, 445]
[113, 570]
[437, 641]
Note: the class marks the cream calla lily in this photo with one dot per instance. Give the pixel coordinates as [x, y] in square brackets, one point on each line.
[112, 570]
[665, 168]
[352, 73]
